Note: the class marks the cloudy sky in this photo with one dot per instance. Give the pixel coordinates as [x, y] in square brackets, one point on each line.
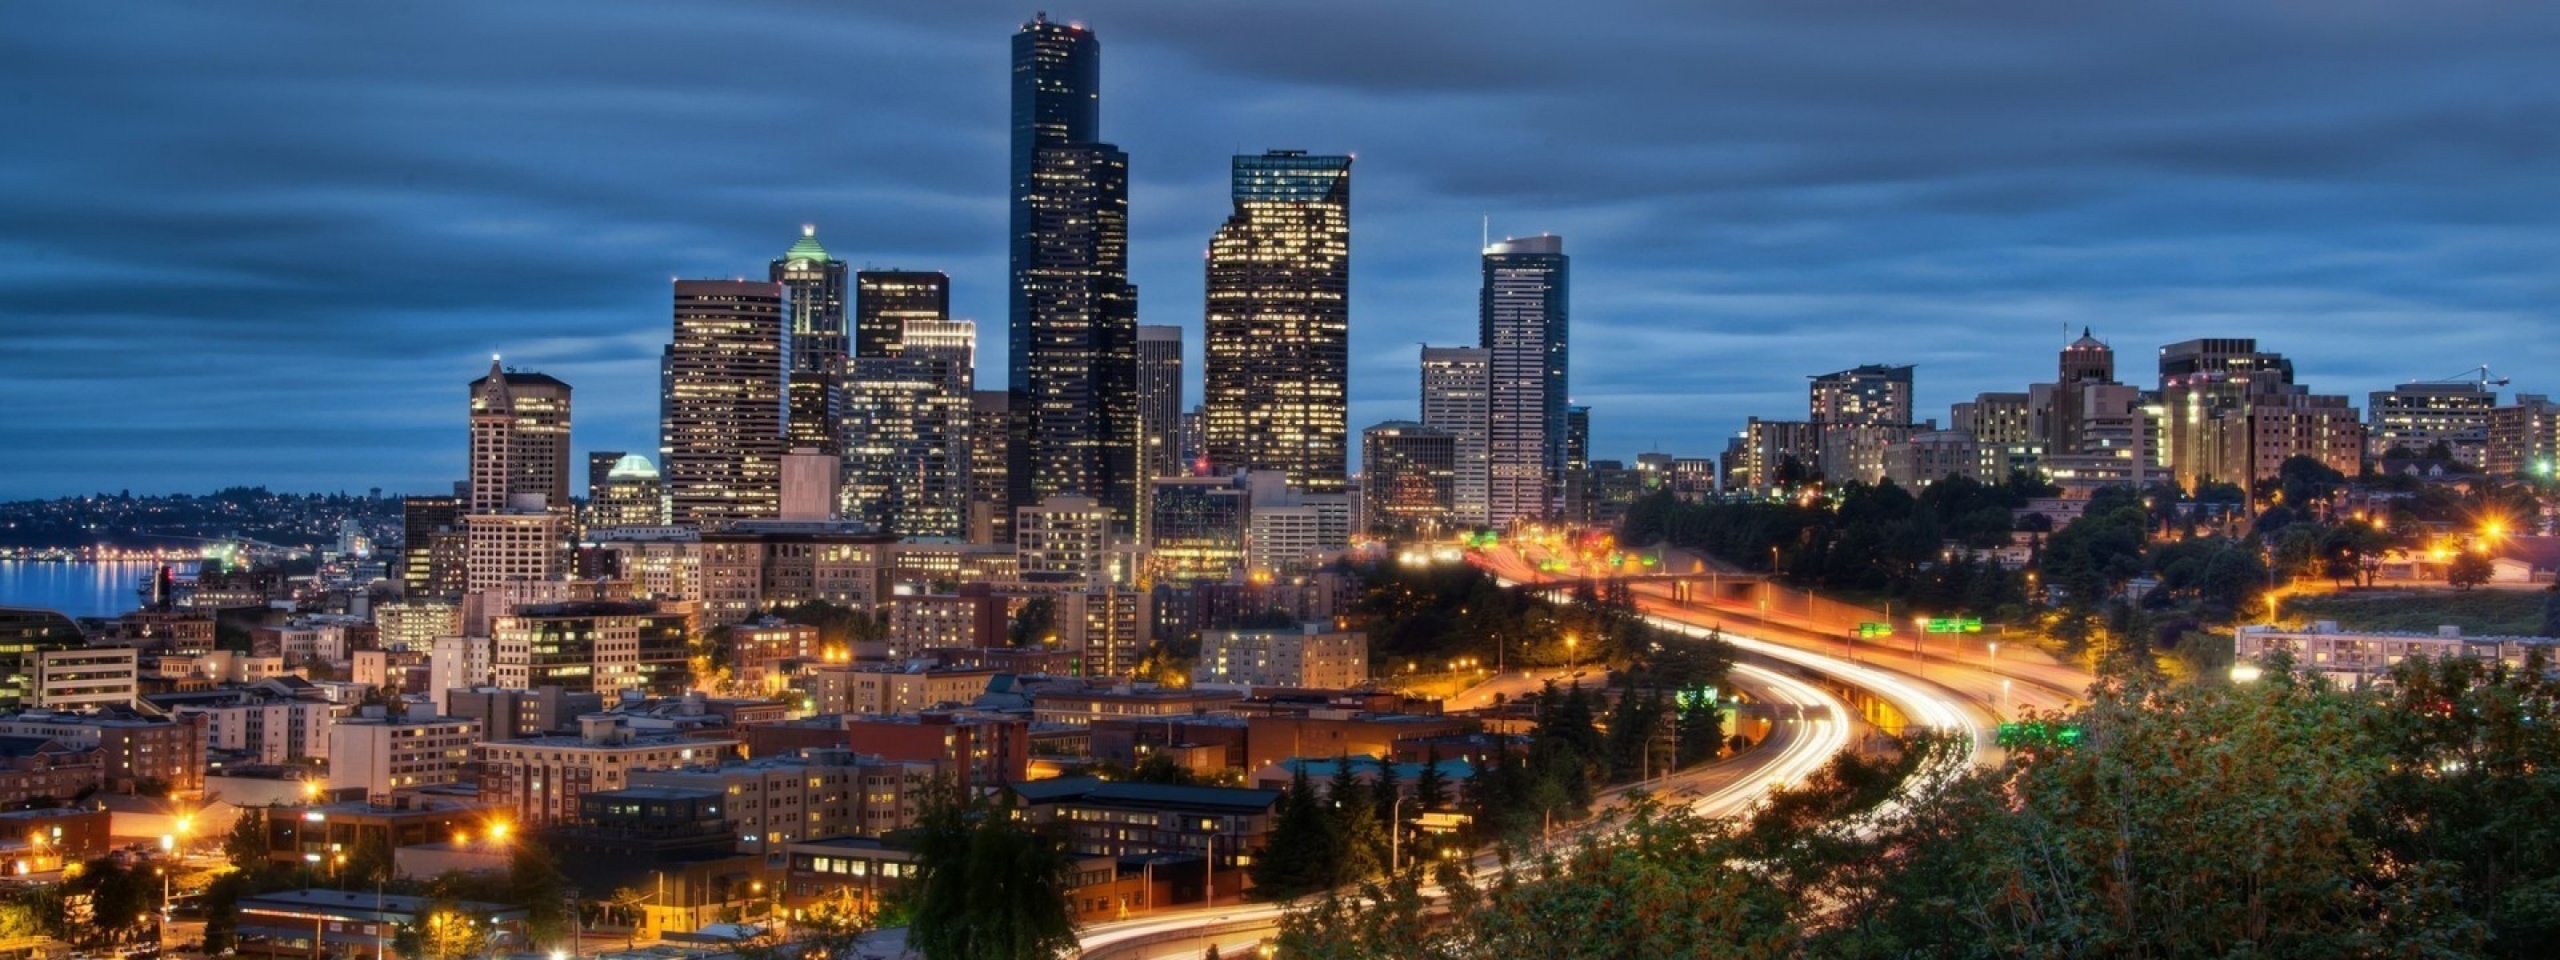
[268, 242]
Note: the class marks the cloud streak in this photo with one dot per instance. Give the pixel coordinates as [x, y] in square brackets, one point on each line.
[269, 243]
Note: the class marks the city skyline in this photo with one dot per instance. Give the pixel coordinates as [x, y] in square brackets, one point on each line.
[1806, 229]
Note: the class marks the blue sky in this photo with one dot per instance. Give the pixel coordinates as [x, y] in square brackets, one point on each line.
[268, 242]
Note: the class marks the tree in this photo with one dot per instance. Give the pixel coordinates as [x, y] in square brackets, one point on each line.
[534, 882]
[2551, 612]
[2470, 568]
[988, 886]
[246, 845]
[1034, 623]
[1431, 786]
[1298, 857]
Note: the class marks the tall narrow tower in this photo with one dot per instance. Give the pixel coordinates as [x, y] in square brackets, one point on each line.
[1277, 345]
[1072, 349]
[1523, 320]
[519, 440]
[813, 282]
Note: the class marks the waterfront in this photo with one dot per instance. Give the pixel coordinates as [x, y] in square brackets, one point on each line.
[78, 588]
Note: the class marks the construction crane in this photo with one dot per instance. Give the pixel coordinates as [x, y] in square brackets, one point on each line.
[2478, 374]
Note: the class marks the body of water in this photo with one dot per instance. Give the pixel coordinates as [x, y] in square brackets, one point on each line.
[75, 589]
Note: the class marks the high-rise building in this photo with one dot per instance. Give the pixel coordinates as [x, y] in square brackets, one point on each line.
[2232, 413]
[813, 282]
[1408, 479]
[906, 456]
[1072, 346]
[1456, 383]
[2058, 411]
[2524, 437]
[1196, 529]
[1160, 402]
[432, 547]
[951, 343]
[1276, 367]
[629, 494]
[519, 439]
[1523, 320]
[991, 435]
[887, 303]
[721, 435]
[2415, 417]
[1855, 414]
[1063, 538]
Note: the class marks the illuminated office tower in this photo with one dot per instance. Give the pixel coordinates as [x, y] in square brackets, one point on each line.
[519, 440]
[1072, 349]
[721, 435]
[886, 302]
[1456, 382]
[1276, 369]
[813, 286]
[1160, 401]
[1523, 321]
[909, 416]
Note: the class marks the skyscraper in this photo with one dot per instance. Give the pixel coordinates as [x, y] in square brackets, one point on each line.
[1408, 478]
[1072, 351]
[906, 446]
[2232, 413]
[813, 280]
[1455, 384]
[1277, 356]
[885, 302]
[519, 440]
[992, 430]
[722, 437]
[1160, 402]
[1523, 321]
[909, 418]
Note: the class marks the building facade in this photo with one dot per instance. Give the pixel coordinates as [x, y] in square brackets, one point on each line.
[1524, 325]
[1456, 389]
[723, 412]
[1276, 364]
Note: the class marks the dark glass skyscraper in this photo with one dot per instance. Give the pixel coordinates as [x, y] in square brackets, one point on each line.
[1523, 319]
[814, 290]
[1073, 332]
[885, 300]
[1277, 344]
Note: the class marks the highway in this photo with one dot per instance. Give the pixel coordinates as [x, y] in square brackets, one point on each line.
[1796, 746]
[1940, 689]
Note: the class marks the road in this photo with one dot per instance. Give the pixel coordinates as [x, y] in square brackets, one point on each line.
[1796, 747]
[1935, 686]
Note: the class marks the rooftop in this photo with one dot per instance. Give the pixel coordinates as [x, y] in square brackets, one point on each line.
[1097, 790]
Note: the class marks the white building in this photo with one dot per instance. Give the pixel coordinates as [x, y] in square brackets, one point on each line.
[83, 677]
[381, 755]
[1065, 537]
[459, 663]
[1310, 657]
[2354, 659]
[267, 724]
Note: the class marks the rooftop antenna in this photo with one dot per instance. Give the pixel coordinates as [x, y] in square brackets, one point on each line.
[1488, 232]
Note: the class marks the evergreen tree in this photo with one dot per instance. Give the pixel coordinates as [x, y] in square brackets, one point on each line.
[1701, 728]
[1297, 857]
[988, 886]
[1431, 787]
[1385, 789]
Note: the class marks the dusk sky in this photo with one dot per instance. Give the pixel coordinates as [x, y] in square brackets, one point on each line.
[269, 242]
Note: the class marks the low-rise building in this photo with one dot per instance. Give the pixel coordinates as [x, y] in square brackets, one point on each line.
[322, 922]
[137, 753]
[85, 677]
[780, 800]
[379, 755]
[1309, 656]
[539, 779]
[1227, 825]
[1077, 707]
[269, 722]
[2355, 659]
[891, 690]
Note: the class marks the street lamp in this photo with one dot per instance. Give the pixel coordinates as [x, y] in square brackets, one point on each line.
[1571, 644]
[168, 846]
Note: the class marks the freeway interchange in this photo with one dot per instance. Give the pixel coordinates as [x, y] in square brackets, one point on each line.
[1942, 689]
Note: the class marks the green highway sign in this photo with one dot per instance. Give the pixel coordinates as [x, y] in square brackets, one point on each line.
[1953, 625]
[1875, 630]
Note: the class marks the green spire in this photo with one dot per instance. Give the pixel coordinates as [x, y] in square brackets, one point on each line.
[807, 248]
